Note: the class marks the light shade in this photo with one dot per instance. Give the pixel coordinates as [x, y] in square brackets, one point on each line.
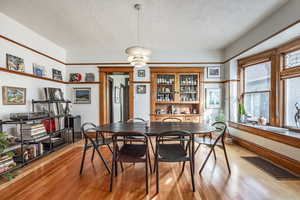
[138, 56]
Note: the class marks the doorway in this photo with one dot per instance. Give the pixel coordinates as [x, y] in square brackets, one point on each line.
[125, 91]
[118, 96]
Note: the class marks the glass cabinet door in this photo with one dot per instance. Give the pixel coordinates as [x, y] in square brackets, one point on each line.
[165, 87]
[188, 87]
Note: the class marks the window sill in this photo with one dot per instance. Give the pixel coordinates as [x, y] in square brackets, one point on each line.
[277, 134]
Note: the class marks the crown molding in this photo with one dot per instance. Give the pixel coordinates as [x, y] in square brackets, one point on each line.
[150, 63]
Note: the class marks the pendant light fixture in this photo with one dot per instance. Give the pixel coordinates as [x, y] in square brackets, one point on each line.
[138, 56]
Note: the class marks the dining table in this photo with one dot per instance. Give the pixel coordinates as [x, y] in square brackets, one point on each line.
[153, 129]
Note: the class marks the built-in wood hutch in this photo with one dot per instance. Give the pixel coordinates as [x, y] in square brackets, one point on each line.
[177, 92]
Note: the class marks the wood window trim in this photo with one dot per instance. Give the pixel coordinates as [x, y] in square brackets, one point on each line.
[266, 56]
[292, 141]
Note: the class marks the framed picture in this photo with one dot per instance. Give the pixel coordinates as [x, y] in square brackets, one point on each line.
[141, 89]
[53, 94]
[39, 70]
[89, 77]
[213, 97]
[15, 63]
[82, 95]
[13, 95]
[56, 74]
[213, 72]
[75, 77]
[141, 73]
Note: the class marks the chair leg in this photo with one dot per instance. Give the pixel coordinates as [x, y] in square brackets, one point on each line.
[92, 159]
[147, 186]
[116, 168]
[112, 175]
[197, 148]
[206, 159]
[109, 148]
[152, 147]
[157, 177]
[192, 175]
[122, 168]
[214, 154]
[105, 164]
[83, 158]
[183, 165]
[149, 160]
[225, 153]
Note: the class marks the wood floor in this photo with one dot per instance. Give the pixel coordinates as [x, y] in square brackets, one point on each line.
[60, 179]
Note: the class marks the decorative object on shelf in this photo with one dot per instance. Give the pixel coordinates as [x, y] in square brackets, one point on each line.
[89, 77]
[15, 63]
[82, 95]
[39, 70]
[297, 115]
[53, 94]
[13, 95]
[141, 73]
[213, 98]
[56, 74]
[242, 113]
[213, 72]
[141, 89]
[262, 121]
[28, 116]
[117, 95]
[75, 77]
[138, 56]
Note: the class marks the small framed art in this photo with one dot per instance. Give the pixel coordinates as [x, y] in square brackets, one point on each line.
[13, 95]
[82, 95]
[213, 72]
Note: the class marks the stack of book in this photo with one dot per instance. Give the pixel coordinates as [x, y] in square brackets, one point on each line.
[33, 131]
[6, 162]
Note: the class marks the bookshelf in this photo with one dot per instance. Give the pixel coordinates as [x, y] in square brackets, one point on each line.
[39, 136]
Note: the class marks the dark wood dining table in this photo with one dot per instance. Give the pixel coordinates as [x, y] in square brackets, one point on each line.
[156, 128]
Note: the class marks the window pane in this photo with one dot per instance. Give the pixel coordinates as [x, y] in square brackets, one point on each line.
[257, 105]
[292, 97]
[257, 77]
[292, 59]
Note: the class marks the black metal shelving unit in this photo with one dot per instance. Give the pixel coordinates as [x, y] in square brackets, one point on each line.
[62, 132]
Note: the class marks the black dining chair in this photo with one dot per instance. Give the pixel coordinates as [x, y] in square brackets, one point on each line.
[94, 143]
[169, 148]
[221, 128]
[131, 120]
[134, 150]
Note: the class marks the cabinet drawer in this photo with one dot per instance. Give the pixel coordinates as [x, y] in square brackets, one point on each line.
[192, 119]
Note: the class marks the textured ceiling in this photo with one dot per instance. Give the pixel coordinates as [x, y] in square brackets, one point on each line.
[109, 26]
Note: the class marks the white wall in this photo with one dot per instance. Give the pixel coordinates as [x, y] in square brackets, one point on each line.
[142, 102]
[18, 32]
[279, 20]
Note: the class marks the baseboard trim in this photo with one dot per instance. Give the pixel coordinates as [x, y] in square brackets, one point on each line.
[277, 158]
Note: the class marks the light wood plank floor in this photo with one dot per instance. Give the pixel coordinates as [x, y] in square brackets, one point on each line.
[59, 179]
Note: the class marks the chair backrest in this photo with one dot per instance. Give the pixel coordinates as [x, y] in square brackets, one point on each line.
[172, 119]
[131, 120]
[175, 136]
[88, 127]
[221, 128]
[129, 136]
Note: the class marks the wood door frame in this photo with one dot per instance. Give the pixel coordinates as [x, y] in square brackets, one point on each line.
[103, 101]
